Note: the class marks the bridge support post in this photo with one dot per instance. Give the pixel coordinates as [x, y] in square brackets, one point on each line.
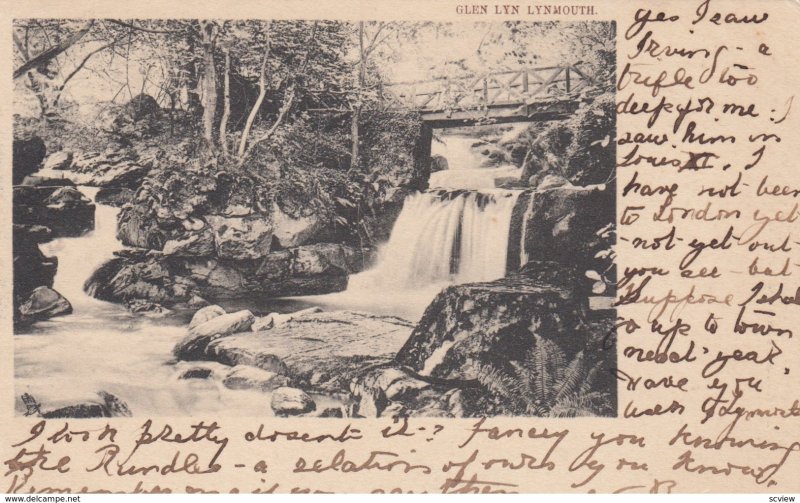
[422, 154]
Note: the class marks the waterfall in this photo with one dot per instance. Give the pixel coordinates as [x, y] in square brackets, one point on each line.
[79, 257]
[445, 237]
[456, 232]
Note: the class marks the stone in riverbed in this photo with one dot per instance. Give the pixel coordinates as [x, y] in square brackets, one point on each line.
[205, 314]
[224, 324]
[287, 401]
[247, 377]
[44, 303]
[273, 320]
[320, 350]
[194, 345]
[108, 405]
[196, 373]
[378, 388]
[331, 412]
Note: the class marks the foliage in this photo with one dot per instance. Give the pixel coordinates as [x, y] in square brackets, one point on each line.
[545, 383]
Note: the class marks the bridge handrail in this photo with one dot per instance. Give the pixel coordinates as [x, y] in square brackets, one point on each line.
[490, 89]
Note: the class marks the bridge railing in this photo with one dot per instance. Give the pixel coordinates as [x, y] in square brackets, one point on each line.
[508, 88]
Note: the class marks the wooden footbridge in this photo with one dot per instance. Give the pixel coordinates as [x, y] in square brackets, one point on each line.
[528, 94]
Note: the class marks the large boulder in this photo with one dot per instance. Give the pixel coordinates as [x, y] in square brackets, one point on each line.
[62, 209]
[291, 402]
[139, 118]
[319, 350]
[241, 238]
[27, 156]
[488, 325]
[560, 218]
[44, 303]
[323, 351]
[175, 278]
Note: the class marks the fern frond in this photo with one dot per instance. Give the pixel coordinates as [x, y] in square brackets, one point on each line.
[546, 362]
[574, 377]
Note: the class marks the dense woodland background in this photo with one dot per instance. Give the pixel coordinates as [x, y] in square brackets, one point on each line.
[295, 105]
[268, 159]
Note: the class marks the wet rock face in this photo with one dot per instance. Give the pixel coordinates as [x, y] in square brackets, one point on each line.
[493, 323]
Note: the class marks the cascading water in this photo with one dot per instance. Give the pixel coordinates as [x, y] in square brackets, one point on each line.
[456, 232]
[466, 168]
[102, 347]
[445, 237]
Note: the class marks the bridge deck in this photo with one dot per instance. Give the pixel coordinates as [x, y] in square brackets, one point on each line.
[523, 95]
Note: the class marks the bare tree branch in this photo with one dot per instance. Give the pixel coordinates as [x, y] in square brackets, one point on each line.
[50, 53]
[139, 28]
[79, 67]
[288, 99]
[262, 92]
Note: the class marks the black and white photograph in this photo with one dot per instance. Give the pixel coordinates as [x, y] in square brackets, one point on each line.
[314, 218]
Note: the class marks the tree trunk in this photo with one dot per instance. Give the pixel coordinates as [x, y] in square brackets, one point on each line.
[262, 92]
[226, 113]
[209, 33]
[354, 124]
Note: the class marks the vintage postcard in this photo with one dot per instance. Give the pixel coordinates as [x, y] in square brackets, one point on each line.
[374, 247]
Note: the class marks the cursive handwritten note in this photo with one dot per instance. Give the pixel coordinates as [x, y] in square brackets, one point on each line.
[708, 305]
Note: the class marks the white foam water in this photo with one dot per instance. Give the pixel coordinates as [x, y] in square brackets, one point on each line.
[466, 168]
[102, 347]
[456, 232]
